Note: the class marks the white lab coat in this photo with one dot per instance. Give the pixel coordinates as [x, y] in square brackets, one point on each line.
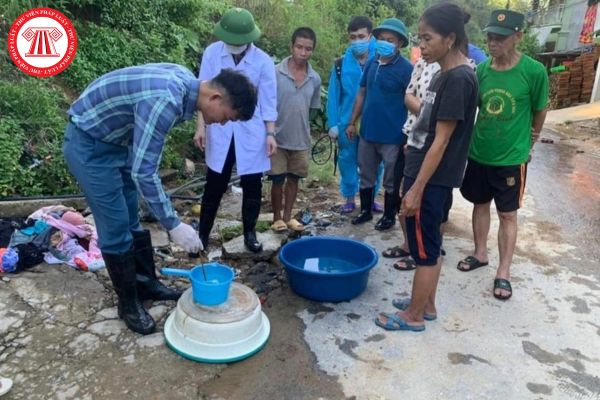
[250, 136]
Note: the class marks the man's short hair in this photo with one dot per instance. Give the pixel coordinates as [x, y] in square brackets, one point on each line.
[239, 92]
[306, 33]
[360, 22]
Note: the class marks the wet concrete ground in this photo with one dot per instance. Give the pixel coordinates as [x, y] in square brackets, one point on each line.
[60, 338]
[564, 178]
[542, 343]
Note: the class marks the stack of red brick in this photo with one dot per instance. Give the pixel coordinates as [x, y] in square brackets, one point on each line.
[559, 89]
[576, 84]
[576, 71]
[589, 61]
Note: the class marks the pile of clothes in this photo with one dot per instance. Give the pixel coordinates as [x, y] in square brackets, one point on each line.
[55, 234]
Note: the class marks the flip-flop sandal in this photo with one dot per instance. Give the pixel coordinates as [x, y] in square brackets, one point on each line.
[348, 208]
[402, 304]
[395, 323]
[472, 262]
[294, 225]
[395, 252]
[503, 284]
[279, 226]
[377, 207]
[409, 264]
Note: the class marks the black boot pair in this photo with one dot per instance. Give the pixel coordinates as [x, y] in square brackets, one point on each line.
[133, 275]
[366, 204]
[250, 212]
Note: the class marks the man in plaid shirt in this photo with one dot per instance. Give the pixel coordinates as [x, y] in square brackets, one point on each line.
[113, 145]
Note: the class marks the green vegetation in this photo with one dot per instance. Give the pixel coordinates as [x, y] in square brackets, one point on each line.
[31, 131]
[323, 174]
[529, 44]
[116, 33]
[234, 231]
[111, 34]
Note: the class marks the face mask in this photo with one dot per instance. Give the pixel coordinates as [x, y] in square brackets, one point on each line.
[359, 47]
[236, 49]
[384, 48]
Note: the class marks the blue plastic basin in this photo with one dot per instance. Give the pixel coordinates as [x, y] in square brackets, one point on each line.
[325, 268]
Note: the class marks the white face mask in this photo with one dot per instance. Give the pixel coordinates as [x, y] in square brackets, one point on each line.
[236, 49]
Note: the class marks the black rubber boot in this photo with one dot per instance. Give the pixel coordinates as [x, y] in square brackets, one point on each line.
[121, 268]
[389, 213]
[250, 212]
[148, 285]
[366, 205]
[208, 213]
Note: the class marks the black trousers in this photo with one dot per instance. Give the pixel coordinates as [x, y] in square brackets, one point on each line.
[216, 183]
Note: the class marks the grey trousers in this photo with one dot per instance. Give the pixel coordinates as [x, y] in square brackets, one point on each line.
[370, 155]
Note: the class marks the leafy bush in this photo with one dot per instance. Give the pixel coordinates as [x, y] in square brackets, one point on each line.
[111, 34]
[13, 138]
[529, 44]
[31, 132]
[180, 146]
[329, 18]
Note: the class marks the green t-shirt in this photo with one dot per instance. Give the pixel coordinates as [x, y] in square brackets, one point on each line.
[507, 102]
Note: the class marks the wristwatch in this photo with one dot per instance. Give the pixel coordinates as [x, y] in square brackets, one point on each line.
[271, 134]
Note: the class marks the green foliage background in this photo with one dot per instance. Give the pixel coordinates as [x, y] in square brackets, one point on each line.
[117, 33]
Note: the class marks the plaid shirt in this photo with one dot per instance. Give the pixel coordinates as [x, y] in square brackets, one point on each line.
[136, 107]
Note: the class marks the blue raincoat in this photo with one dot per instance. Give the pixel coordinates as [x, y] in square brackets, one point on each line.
[341, 95]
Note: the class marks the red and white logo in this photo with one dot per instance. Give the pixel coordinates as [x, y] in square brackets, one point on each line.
[42, 42]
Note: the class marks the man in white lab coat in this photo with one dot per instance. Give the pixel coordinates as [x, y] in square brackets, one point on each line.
[248, 144]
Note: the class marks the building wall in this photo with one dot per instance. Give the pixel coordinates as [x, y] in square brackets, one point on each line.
[572, 22]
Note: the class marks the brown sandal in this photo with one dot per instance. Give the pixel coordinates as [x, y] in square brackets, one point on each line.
[294, 225]
[405, 264]
[395, 252]
[279, 226]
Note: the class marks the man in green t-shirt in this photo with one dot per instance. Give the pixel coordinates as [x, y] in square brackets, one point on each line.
[513, 92]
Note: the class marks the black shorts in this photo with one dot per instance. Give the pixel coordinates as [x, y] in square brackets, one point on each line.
[447, 207]
[423, 229]
[505, 185]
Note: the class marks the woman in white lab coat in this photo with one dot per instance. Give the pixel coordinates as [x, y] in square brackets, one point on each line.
[248, 144]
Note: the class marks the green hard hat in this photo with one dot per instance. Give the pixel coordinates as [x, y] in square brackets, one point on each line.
[505, 22]
[237, 27]
[393, 25]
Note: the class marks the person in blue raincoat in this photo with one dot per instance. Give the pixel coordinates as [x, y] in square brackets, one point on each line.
[344, 82]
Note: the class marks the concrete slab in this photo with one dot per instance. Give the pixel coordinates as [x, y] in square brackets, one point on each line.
[23, 208]
[271, 242]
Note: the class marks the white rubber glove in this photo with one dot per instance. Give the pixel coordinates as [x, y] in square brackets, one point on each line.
[185, 236]
[334, 132]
